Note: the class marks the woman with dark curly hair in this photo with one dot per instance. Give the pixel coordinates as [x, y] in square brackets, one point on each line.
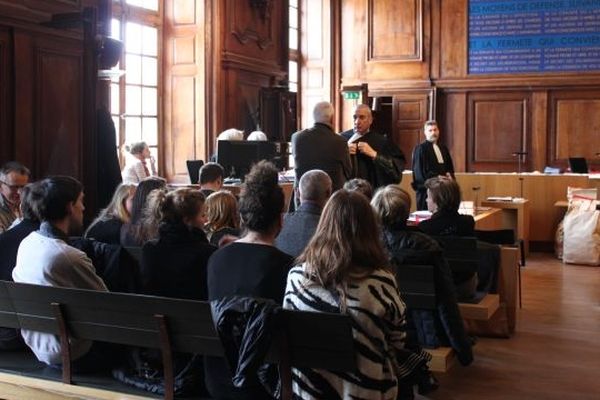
[251, 266]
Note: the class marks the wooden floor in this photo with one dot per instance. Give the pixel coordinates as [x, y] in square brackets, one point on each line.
[555, 353]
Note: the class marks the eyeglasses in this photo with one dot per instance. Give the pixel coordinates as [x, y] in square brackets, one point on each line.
[13, 188]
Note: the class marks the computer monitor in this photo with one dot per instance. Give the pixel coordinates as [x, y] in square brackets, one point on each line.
[193, 167]
[578, 165]
[237, 156]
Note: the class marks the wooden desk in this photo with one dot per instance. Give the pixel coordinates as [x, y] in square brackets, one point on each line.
[490, 219]
[541, 190]
[515, 215]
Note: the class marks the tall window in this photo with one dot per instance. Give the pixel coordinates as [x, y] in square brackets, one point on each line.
[294, 60]
[134, 96]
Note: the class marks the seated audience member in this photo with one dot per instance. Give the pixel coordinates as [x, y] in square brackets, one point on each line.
[251, 266]
[136, 232]
[344, 269]
[174, 264]
[257, 136]
[443, 200]
[45, 258]
[299, 226]
[222, 217]
[136, 167]
[211, 177]
[361, 186]
[10, 339]
[106, 228]
[444, 327]
[13, 178]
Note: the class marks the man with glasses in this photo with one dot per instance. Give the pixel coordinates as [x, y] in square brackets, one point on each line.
[13, 177]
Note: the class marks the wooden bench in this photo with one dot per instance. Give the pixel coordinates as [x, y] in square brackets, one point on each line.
[314, 340]
[417, 287]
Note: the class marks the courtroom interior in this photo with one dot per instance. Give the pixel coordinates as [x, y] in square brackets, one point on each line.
[389, 199]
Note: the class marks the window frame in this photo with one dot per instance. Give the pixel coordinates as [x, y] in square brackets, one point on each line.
[124, 13]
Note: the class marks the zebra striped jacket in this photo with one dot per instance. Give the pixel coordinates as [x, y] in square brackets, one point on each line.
[379, 331]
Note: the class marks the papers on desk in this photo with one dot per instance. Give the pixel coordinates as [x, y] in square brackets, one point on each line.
[418, 216]
[507, 199]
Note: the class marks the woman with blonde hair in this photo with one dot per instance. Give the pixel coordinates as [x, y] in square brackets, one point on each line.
[222, 216]
[106, 228]
[345, 269]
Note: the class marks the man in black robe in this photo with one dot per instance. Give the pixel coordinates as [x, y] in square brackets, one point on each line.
[430, 159]
[374, 157]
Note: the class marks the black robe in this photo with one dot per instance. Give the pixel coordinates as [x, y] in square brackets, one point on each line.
[425, 165]
[386, 168]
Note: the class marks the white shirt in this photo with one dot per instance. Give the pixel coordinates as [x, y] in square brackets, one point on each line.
[134, 170]
[438, 153]
[46, 261]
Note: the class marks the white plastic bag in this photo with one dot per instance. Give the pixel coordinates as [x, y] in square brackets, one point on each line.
[582, 233]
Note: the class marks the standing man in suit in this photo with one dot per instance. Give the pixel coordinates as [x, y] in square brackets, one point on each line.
[374, 158]
[430, 159]
[320, 148]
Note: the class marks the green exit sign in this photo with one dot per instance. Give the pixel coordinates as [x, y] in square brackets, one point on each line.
[351, 95]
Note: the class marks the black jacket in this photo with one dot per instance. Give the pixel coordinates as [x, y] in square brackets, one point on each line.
[174, 265]
[245, 326]
[320, 148]
[386, 168]
[9, 246]
[443, 326]
[106, 231]
[113, 264]
[446, 223]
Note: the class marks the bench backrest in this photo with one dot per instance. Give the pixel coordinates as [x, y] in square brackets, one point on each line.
[315, 340]
[461, 254]
[417, 286]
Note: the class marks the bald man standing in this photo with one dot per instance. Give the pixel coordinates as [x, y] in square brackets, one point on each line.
[374, 157]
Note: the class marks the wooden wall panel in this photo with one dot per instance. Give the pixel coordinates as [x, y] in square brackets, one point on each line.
[184, 126]
[59, 113]
[453, 38]
[40, 10]
[498, 127]
[409, 111]
[49, 115]
[251, 52]
[253, 27]
[395, 30]
[574, 125]
[453, 127]
[6, 106]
